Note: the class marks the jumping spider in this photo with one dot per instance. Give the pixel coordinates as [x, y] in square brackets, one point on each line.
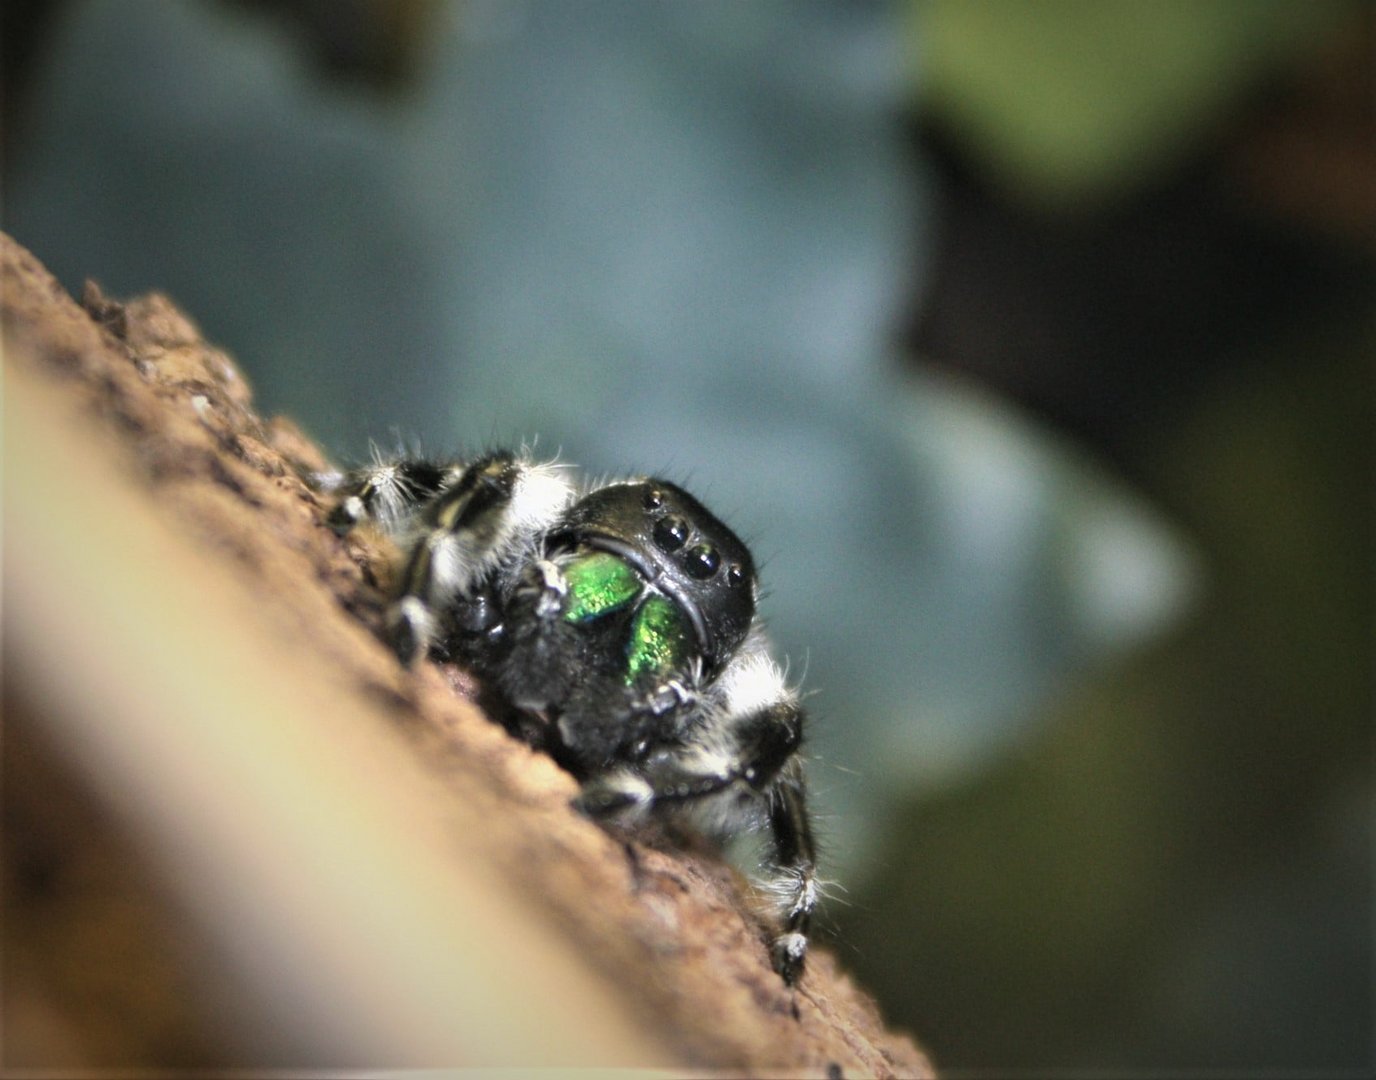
[618, 623]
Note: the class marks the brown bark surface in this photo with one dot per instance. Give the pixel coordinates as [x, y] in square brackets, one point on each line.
[671, 931]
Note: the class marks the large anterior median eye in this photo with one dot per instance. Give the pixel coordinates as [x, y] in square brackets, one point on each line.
[598, 582]
[659, 639]
[671, 533]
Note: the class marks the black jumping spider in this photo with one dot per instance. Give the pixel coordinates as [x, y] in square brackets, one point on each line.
[620, 623]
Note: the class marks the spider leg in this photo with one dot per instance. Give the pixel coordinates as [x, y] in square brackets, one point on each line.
[387, 493]
[742, 755]
[793, 885]
[543, 652]
[479, 525]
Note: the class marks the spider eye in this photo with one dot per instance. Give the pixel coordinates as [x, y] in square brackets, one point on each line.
[654, 499]
[735, 575]
[671, 533]
[702, 561]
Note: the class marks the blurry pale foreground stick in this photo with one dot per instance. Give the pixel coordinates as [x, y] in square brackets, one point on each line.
[385, 878]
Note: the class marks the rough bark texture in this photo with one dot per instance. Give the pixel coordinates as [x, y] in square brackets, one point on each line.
[675, 927]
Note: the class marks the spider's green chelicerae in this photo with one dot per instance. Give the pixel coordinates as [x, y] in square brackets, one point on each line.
[618, 623]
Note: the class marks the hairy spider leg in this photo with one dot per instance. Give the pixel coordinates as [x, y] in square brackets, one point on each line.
[476, 527]
[388, 493]
[745, 746]
[794, 886]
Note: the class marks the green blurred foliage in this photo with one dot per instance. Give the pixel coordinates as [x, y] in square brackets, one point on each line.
[1077, 100]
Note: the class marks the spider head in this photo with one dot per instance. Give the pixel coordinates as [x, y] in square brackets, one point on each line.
[680, 548]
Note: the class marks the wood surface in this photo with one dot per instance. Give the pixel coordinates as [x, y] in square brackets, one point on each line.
[238, 834]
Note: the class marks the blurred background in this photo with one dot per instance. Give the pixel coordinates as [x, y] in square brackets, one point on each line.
[1029, 345]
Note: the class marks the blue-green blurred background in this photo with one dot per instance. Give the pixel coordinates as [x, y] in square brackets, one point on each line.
[1029, 344]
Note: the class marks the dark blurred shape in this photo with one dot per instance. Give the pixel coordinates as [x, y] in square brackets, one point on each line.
[376, 42]
[380, 45]
[26, 29]
[1106, 321]
[88, 920]
[1306, 159]
[1107, 325]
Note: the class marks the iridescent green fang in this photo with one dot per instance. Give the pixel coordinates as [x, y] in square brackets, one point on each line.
[598, 582]
[659, 639]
